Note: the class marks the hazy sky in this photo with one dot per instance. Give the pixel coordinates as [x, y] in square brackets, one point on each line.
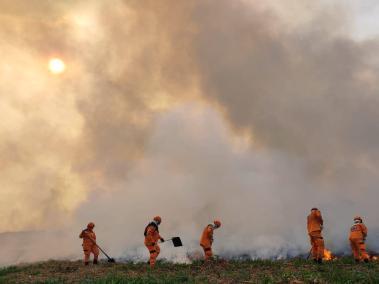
[367, 18]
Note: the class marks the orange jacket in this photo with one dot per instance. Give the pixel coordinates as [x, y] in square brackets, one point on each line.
[358, 231]
[207, 236]
[87, 235]
[152, 234]
[314, 221]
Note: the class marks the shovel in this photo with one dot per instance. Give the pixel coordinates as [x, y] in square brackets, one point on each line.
[176, 241]
[110, 259]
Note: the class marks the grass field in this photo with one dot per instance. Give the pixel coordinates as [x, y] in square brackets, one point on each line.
[343, 270]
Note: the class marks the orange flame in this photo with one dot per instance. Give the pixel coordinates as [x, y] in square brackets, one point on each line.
[327, 255]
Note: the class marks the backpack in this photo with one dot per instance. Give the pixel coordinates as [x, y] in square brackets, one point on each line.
[150, 224]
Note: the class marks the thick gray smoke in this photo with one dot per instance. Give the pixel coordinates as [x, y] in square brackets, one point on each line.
[192, 110]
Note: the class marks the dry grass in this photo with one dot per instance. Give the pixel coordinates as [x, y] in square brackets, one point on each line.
[258, 271]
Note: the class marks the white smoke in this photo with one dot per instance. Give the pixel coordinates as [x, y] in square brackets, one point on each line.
[167, 108]
[200, 173]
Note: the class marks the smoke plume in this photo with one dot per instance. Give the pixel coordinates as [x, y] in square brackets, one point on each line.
[248, 112]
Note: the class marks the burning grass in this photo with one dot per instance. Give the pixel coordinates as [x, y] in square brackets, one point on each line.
[328, 255]
[342, 270]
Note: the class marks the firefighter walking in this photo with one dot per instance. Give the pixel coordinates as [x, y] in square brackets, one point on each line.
[315, 225]
[357, 238]
[206, 240]
[152, 237]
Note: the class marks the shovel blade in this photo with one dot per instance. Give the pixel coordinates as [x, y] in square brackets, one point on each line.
[111, 260]
[177, 242]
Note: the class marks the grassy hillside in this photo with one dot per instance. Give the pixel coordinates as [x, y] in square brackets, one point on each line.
[259, 271]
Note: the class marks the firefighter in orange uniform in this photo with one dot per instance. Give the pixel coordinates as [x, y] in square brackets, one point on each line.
[89, 244]
[315, 226]
[206, 240]
[152, 237]
[358, 234]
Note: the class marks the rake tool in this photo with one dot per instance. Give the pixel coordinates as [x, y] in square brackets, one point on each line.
[110, 259]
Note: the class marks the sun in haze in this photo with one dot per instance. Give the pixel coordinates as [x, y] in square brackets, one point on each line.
[56, 66]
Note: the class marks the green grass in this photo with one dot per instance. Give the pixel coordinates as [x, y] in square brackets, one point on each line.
[296, 270]
[10, 269]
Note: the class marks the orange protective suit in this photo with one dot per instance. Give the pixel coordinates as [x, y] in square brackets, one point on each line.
[152, 237]
[89, 244]
[315, 226]
[206, 241]
[358, 234]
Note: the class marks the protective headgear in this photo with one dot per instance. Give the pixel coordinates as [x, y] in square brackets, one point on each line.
[217, 223]
[91, 225]
[358, 219]
[157, 219]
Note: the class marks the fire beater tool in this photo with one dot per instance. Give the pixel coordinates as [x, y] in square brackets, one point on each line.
[177, 242]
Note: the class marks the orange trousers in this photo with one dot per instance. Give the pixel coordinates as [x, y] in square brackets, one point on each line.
[208, 254]
[154, 252]
[359, 249]
[88, 250]
[317, 243]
